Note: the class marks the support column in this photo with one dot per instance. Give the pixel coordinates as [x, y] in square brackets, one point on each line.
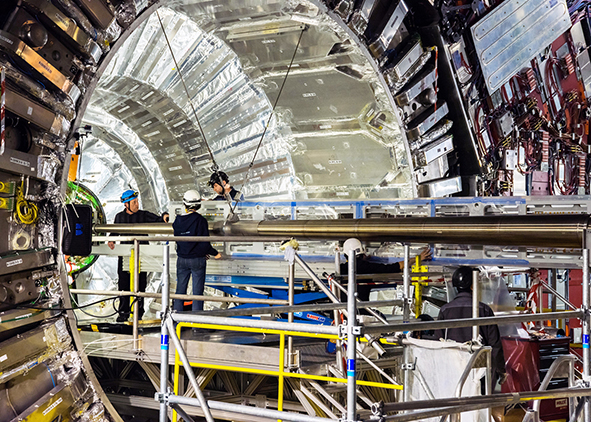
[406, 284]
[405, 318]
[291, 283]
[586, 354]
[475, 302]
[136, 282]
[189, 371]
[164, 340]
[352, 331]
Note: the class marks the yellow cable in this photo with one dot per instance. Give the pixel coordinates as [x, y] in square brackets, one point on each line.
[26, 211]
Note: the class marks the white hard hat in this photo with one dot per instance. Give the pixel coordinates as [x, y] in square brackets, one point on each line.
[353, 245]
[192, 199]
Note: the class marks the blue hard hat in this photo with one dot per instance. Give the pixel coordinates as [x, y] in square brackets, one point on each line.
[129, 195]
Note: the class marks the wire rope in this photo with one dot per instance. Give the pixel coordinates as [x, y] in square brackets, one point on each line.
[232, 209]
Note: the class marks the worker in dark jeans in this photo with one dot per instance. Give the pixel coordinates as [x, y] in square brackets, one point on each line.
[461, 307]
[132, 215]
[191, 256]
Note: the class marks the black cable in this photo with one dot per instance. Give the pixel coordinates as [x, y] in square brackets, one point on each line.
[271, 116]
[178, 69]
[72, 309]
[89, 314]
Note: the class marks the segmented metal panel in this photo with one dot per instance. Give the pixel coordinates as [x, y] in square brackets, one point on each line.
[514, 33]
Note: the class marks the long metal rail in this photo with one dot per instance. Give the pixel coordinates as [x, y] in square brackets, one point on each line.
[491, 400]
[554, 231]
[469, 322]
[179, 296]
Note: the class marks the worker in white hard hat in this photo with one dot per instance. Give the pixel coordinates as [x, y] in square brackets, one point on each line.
[191, 256]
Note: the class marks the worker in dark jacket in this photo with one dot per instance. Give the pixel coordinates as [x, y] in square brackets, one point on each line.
[191, 256]
[364, 265]
[220, 183]
[461, 307]
[132, 215]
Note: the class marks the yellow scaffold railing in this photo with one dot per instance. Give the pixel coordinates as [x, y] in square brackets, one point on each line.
[280, 373]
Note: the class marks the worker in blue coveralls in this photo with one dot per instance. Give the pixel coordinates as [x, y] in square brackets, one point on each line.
[191, 256]
[132, 215]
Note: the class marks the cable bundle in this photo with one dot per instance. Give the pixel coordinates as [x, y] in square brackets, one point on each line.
[26, 211]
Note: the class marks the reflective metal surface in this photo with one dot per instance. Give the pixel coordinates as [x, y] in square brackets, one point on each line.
[233, 58]
[514, 33]
[13, 44]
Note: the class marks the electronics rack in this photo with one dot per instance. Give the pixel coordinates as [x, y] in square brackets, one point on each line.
[49, 53]
[492, 94]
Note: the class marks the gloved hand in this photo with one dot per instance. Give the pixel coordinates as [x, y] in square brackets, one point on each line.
[502, 378]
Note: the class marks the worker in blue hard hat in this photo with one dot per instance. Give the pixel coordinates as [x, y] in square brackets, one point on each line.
[132, 215]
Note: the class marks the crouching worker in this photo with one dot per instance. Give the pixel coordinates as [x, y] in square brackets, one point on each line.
[191, 256]
[461, 308]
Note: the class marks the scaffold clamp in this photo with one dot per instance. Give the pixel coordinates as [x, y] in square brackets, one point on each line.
[344, 330]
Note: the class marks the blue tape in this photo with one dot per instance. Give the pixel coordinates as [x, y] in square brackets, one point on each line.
[585, 341]
[350, 373]
[164, 347]
[351, 366]
[164, 340]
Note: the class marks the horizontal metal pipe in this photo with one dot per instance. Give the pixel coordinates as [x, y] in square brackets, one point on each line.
[248, 410]
[144, 228]
[177, 296]
[559, 231]
[420, 415]
[254, 323]
[469, 322]
[314, 307]
[555, 231]
[490, 400]
[168, 238]
[393, 276]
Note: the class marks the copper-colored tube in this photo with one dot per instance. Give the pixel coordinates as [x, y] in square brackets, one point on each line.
[554, 231]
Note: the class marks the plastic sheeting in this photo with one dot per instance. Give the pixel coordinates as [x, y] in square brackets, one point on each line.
[442, 380]
[521, 357]
[495, 293]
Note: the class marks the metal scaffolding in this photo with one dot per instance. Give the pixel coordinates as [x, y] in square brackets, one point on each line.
[351, 331]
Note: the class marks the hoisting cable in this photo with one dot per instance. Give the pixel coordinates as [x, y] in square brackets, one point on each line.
[215, 166]
[232, 209]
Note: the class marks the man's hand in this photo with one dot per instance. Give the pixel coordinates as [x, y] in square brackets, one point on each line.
[218, 256]
[111, 245]
[425, 254]
[165, 217]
